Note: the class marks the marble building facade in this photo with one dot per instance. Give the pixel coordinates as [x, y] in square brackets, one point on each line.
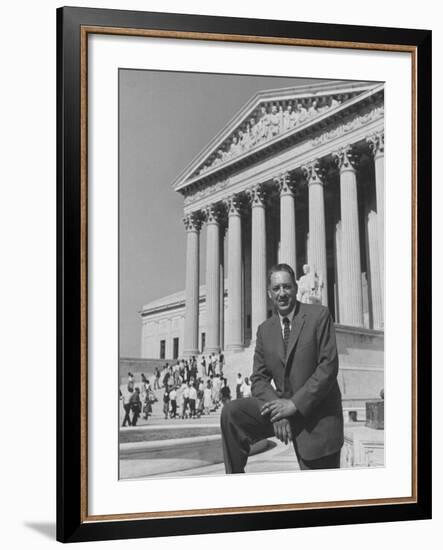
[297, 176]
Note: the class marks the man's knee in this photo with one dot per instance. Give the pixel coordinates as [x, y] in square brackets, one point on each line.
[232, 412]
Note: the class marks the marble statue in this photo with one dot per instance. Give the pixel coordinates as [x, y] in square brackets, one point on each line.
[312, 111]
[302, 113]
[264, 124]
[253, 128]
[310, 287]
[287, 118]
[274, 119]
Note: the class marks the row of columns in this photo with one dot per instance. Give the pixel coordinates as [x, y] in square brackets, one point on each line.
[347, 251]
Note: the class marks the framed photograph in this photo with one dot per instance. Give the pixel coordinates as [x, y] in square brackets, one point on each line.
[244, 274]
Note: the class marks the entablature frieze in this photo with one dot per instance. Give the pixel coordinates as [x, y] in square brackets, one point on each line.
[286, 162]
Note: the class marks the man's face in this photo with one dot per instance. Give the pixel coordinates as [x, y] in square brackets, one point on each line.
[282, 291]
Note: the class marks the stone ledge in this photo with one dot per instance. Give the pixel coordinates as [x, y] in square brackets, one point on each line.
[364, 447]
[362, 331]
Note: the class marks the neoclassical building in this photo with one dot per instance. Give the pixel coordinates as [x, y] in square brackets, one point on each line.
[296, 176]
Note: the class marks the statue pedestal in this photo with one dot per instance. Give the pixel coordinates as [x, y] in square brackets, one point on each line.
[363, 447]
[375, 414]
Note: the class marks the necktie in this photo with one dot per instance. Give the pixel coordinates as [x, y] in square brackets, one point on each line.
[286, 332]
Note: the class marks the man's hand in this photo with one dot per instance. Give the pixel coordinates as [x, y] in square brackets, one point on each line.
[278, 409]
[282, 430]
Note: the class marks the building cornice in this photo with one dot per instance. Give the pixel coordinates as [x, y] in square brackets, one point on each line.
[321, 144]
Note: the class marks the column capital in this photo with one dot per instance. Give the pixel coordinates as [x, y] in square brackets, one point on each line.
[314, 173]
[257, 195]
[213, 213]
[193, 221]
[234, 205]
[377, 143]
[345, 158]
[285, 184]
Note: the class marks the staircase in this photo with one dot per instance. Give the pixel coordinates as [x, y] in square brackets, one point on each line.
[361, 367]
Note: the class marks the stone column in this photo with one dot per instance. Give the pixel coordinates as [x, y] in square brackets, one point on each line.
[377, 145]
[258, 259]
[234, 338]
[308, 250]
[317, 226]
[374, 271]
[222, 229]
[212, 280]
[193, 226]
[339, 272]
[287, 222]
[350, 241]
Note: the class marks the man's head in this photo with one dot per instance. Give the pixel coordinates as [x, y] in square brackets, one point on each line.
[282, 288]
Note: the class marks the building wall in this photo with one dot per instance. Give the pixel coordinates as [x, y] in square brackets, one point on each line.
[167, 325]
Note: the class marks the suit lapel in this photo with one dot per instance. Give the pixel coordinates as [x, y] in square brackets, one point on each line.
[297, 325]
[277, 337]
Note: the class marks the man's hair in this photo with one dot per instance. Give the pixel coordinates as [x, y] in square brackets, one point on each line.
[281, 267]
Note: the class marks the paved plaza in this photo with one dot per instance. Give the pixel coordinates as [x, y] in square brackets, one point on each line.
[139, 459]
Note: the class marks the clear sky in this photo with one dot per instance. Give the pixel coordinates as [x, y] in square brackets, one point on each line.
[166, 118]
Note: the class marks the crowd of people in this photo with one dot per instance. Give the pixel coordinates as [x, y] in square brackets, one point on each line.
[190, 388]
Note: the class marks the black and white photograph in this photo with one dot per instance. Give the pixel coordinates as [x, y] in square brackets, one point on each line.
[212, 266]
[251, 274]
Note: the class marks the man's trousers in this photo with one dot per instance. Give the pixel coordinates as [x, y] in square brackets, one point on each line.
[242, 425]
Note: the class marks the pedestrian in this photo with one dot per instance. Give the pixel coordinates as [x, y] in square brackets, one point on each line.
[246, 388]
[185, 400]
[238, 386]
[180, 400]
[156, 378]
[216, 386]
[145, 400]
[173, 402]
[192, 399]
[210, 368]
[207, 397]
[152, 398]
[203, 364]
[166, 377]
[176, 375]
[200, 395]
[125, 397]
[225, 392]
[135, 405]
[193, 371]
[221, 363]
[166, 403]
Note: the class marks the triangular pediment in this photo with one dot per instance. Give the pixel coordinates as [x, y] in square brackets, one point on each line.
[266, 118]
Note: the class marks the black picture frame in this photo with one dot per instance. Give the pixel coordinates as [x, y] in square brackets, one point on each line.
[73, 523]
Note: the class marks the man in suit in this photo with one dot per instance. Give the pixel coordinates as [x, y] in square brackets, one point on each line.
[295, 394]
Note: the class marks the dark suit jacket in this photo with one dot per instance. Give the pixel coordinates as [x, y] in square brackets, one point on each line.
[307, 376]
